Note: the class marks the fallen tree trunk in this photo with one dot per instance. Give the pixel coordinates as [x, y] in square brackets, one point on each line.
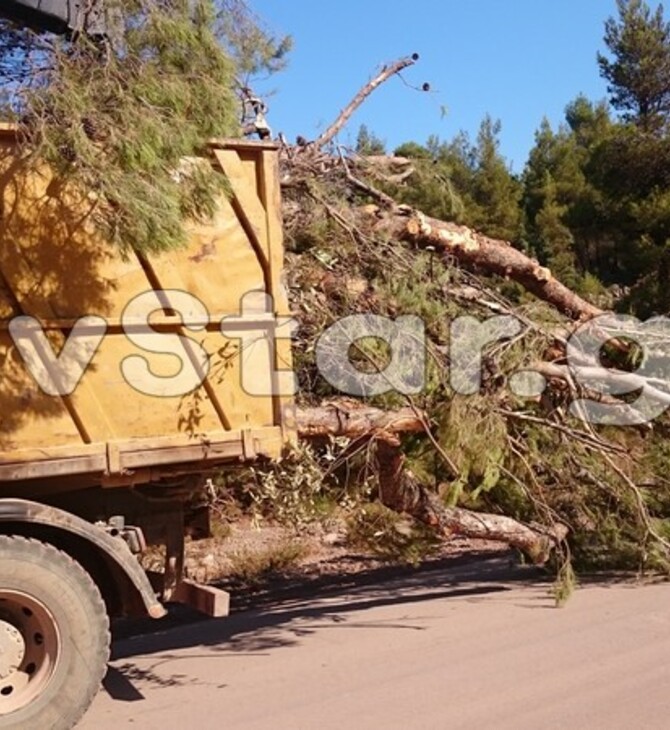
[476, 251]
[401, 492]
[354, 422]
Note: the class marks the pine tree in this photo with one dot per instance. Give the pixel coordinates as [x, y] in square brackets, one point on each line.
[495, 190]
[465, 182]
[639, 70]
[367, 143]
[557, 239]
[432, 188]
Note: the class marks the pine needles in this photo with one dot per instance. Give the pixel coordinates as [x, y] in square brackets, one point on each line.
[117, 117]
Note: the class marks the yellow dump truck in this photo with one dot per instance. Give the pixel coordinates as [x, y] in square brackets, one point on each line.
[125, 380]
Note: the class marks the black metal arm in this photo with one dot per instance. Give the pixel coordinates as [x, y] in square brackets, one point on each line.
[56, 16]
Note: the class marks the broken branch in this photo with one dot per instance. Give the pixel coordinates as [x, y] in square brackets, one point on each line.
[361, 96]
[400, 491]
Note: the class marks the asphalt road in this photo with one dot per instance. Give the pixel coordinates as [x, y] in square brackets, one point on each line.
[465, 647]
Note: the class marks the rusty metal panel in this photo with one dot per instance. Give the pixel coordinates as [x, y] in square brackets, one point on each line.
[55, 268]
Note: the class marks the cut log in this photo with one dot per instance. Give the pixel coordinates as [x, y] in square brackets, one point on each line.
[355, 421]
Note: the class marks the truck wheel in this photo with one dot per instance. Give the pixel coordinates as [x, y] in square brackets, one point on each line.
[54, 637]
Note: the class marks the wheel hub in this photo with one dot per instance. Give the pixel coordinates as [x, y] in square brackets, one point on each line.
[12, 649]
[29, 649]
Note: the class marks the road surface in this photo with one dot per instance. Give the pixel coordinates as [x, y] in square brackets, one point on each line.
[467, 647]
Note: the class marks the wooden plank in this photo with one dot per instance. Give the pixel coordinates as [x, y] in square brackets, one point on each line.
[157, 321]
[140, 453]
[20, 456]
[235, 143]
[173, 442]
[49, 469]
[270, 196]
[210, 440]
[179, 455]
[211, 601]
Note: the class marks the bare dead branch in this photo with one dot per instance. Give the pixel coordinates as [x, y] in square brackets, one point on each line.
[584, 437]
[382, 198]
[386, 73]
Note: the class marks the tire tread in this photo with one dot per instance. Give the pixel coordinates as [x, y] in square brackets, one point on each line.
[45, 554]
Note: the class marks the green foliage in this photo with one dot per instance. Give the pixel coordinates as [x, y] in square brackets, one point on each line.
[465, 182]
[292, 492]
[119, 118]
[496, 192]
[391, 536]
[557, 240]
[367, 143]
[565, 584]
[639, 70]
[431, 187]
[597, 207]
[253, 49]
[478, 437]
[564, 213]
[413, 150]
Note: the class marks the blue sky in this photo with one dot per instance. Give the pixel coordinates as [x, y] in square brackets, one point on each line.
[518, 60]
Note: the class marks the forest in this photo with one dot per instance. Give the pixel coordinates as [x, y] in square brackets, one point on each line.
[593, 200]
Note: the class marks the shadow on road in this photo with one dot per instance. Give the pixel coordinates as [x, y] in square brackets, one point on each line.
[280, 615]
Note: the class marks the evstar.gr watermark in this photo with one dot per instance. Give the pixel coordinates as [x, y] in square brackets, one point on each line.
[645, 387]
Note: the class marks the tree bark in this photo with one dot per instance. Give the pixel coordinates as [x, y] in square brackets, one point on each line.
[491, 256]
[361, 96]
[354, 421]
[401, 492]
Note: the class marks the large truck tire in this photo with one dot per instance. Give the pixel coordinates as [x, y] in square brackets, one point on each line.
[54, 637]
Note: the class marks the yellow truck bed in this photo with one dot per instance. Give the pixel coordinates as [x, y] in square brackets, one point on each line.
[55, 269]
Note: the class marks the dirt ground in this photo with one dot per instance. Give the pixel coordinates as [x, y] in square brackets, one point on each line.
[249, 556]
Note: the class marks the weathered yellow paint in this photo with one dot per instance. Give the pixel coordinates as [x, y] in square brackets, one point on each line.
[56, 268]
